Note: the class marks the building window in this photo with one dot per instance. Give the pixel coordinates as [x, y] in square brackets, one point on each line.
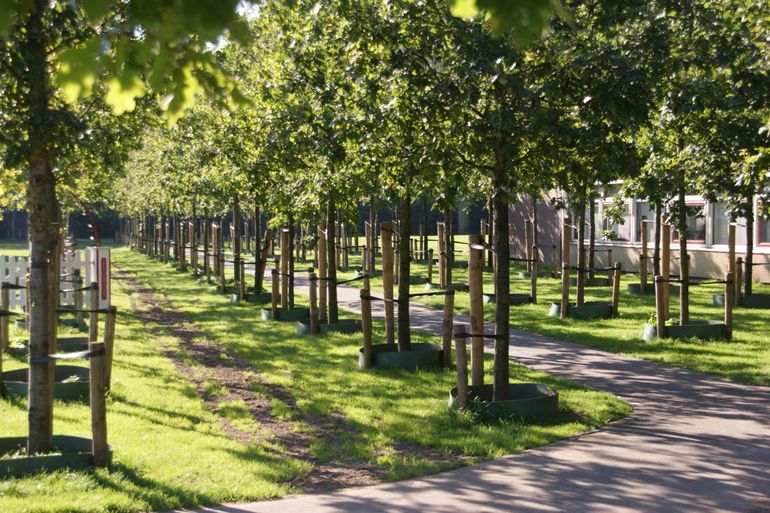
[696, 224]
[720, 223]
[763, 229]
[645, 213]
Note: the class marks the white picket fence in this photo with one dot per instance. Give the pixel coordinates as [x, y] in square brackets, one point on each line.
[13, 269]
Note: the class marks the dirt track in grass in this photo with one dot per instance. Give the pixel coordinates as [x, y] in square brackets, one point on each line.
[204, 362]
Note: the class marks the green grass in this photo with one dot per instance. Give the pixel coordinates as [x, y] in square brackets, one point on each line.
[15, 247]
[746, 359]
[172, 452]
[385, 406]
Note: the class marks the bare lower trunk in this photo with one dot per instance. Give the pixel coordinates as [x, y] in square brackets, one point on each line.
[236, 242]
[749, 260]
[257, 252]
[404, 238]
[502, 291]
[581, 257]
[591, 237]
[684, 262]
[450, 250]
[331, 257]
[291, 262]
[44, 232]
[656, 250]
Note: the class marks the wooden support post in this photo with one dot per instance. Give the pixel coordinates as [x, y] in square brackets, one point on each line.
[615, 288]
[665, 267]
[387, 281]
[565, 232]
[285, 256]
[731, 260]
[738, 280]
[93, 317]
[430, 266]
[447, 327]
[661, 284]
[242, 282]
[275, 291]
[729, 288]
[554, 263]
[462, 366]
[321, 255]
[476, 292]
[366, 326]
[533, 275]
[643, 257]
[442, 260]
[98, 401]
[313, 303]
[110, 319]
[77, 283]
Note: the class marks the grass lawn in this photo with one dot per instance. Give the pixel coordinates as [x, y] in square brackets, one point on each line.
[15, 247]
[172, 451]
[746, 359]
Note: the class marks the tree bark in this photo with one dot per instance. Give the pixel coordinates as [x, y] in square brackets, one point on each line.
[684, 262]
[749, 260]
[502, 254]
[291, 262]
[331, 259]
[257, 251]
[656, 250]
[592, 236]
[581, 257]
[236, 242]
[44, 229]
[449, 248]
[404, 238]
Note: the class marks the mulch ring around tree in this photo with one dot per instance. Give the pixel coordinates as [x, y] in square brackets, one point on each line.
[237, 381]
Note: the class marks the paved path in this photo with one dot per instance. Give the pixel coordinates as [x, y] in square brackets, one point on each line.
[695, 443]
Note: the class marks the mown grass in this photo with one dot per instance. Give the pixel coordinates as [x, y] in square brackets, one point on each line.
[14, 247]
[384, 406]
[745, 359]
[172, 452]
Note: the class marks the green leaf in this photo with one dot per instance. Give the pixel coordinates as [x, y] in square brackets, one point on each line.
[464, 8]
[96, 9]
[78, 70]
[122, 92]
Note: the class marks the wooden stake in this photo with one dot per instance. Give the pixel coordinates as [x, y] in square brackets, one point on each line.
[476, 285]
[430, 266]
[462, 366]
[729, 288]
[396, 267]
[447, 327]
[98, 406]
[110, 319]
[387, 281]
[661, 284]
[565, 232]
[366, 325]
[615, 288]
[313, 303]
[275, 292]
[93, 317]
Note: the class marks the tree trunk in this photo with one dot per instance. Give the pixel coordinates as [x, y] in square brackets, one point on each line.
[43, 209]
[373, 228]
[291, 262]
[257, 251]
[592, 236]
[424, 241]
[404, 238]
[581, 257]
[749, 260]
[656, 250]
[236, 242]
[684, 262]
[331, 258]
[502, 289]
[449, 248]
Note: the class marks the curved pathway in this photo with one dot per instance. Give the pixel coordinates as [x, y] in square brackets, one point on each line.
[695, 443]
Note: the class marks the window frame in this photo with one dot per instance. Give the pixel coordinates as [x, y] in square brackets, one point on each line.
[695, 242]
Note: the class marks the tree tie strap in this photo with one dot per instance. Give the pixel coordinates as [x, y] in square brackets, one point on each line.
[8, 313]
[437, 293]
[85, 310]
[375, 298]
[516, 259]
[13, 286]
[759, 263]
[492, 336]
[92, 286]
[352, 279]
[66, 356]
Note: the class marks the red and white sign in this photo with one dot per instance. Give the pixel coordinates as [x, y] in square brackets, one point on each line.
[98, 270]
